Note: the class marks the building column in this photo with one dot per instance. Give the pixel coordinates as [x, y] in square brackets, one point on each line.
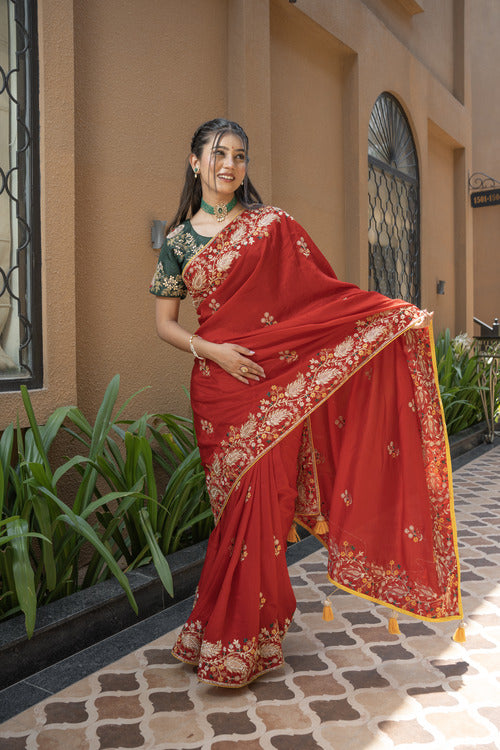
[249, 83]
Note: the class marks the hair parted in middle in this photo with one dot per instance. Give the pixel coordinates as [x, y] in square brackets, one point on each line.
[190, 200]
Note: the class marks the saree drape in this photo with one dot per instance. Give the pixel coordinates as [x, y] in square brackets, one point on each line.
[346, 426]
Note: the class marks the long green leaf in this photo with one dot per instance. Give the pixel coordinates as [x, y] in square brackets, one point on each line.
[23, 572]
[160, 563]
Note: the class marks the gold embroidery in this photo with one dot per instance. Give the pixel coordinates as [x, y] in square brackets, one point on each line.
[268, 319]
[235, 663]
[302, 246]
[289, 356]
[392, 450]
[413, 534]
[346, 497]
[340, 422]
[277, 546]
[207, 426]
[244, 551]
[167, 286]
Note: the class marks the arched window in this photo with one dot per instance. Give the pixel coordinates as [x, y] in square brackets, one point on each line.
[393, 203]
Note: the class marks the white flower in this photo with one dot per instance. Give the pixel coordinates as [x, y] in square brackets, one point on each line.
[373, 333]
[224, 262]
[342, 349]
[277, 416]
[325, 376]
[295, 387]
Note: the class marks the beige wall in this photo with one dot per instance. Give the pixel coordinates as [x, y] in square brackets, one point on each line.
[485, 25]
[147, 74]
[307, 129]
[123, 86]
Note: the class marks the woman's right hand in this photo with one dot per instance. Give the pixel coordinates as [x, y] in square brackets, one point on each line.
[235, 360]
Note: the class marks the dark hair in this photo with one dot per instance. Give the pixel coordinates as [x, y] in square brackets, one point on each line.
[190, 200]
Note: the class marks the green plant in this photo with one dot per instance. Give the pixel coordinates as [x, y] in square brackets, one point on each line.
[458, 381]
[117, 508]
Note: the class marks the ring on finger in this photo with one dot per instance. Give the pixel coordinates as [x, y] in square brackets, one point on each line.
[244, 368]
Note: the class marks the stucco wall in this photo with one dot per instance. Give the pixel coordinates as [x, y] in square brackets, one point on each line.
[485, 25]
[147, 74]
[307, 130]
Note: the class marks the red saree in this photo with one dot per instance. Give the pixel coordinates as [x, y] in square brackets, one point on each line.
[347, 425]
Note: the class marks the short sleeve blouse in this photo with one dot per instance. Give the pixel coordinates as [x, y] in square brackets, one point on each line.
[179, 247]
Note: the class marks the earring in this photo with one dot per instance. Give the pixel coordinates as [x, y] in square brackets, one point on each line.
[196, 170]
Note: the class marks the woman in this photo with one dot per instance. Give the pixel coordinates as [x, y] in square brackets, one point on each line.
[314, 402]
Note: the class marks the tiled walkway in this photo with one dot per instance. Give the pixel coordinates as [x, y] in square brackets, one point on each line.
[346, 684]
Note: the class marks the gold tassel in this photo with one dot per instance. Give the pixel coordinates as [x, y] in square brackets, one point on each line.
[293, 535]
[459, 635]
[327, 611]
[321, 525]
[394, 626]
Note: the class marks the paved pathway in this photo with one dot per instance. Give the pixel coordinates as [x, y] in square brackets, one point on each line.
[346, 684]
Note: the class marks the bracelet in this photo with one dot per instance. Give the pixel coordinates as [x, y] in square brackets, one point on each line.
[191, 346]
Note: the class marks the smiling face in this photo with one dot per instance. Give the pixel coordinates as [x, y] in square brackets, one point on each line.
[222, 167]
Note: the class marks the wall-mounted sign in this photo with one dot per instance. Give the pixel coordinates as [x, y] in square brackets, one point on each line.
[485, 198]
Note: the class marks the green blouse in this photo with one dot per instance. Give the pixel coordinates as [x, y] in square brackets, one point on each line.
[179, 247]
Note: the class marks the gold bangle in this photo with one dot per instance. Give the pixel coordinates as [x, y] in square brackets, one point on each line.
[191, 346]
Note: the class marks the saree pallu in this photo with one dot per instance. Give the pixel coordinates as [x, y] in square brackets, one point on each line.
[346, 427]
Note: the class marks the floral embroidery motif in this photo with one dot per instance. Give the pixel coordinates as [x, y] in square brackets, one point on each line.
[268, 319]
[207, 426]
[167, 286]
[204, 367]
[392, 450]
[277, 546]
[289, 356]
[413, 534]
[340, 422]
[368, 371]
[235, 663]
[217, 257]
[248, 495]
[346, 497]
[411, 404]
[262, 600]
[302, 246]
[214, 305]
[244, 551]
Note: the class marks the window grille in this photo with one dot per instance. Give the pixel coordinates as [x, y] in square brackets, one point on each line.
[393, 203]
[20, 277]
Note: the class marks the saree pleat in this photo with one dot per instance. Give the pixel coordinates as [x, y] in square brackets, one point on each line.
[347, 426]
[245, 601]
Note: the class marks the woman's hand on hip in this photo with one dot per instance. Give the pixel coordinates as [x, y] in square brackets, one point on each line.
[234, 359]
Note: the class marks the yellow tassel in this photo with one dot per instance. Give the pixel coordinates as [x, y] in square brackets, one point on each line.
[393, 626]
[321, 525]
[459, 636]
[293, 535]
[327, 611]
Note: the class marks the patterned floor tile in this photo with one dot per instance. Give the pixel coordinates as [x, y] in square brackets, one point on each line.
[346, 685]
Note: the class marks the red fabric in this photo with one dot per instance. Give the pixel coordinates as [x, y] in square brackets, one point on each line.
[347, 423]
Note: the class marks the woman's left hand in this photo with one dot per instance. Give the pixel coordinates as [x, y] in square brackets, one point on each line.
[425, 321]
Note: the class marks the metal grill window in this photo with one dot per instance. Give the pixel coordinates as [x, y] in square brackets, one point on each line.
[20, 278]
[393, 203]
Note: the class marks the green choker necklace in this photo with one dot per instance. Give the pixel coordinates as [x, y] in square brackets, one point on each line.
[220, 210]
